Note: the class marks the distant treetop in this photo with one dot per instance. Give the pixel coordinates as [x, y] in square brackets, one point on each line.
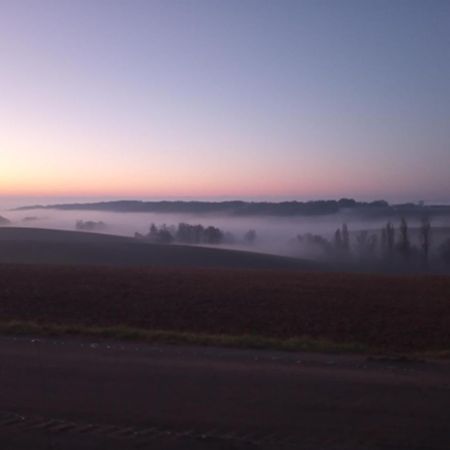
[243, 208]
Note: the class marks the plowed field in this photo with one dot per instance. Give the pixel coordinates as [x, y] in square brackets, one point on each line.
[397, 313]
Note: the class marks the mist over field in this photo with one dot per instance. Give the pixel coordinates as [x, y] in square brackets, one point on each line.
[274, 234]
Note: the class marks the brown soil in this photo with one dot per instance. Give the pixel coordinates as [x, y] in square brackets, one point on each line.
[392, 313]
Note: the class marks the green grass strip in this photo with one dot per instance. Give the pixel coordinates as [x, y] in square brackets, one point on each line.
[179, 337]
[249, 341]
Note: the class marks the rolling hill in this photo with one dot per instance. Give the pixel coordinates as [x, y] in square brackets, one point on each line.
[43, 246]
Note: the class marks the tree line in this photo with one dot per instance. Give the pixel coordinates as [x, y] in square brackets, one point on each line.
[377, 208]
[185, 233]
[89, 225]
[390, 245]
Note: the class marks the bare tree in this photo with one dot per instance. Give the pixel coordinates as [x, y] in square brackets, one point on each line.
[425, 238]
[361, 243]
[366, 245]
[250, 237]
[388, 241]
[338, 242]
[404, 245]
[390, 234]
[345, 240]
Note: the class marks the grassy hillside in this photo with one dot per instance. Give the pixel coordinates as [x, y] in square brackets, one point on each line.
[39, 246]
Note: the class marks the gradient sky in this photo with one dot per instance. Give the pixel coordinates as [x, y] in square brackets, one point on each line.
[245, 99]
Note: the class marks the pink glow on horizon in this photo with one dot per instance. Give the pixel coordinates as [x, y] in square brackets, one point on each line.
[211, 99]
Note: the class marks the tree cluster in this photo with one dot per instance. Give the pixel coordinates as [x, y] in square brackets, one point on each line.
[316, 244]
[89, 225]
[236, 207]
[184, 233]
[389, 245]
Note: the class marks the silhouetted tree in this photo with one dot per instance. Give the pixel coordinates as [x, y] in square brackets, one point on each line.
[250, 237]
[164, 235]
[338, 241]
[89, 225]
[347, 203]
[317, 243]
[404, 245]
[425, 237]
[342, 242]
[372, 246]
[388, 241]
[345, 240]
[153, 233]
[366, 245]
[361, 243]
[196, 233]
[390, 233]
[213, 235]
[184, 233]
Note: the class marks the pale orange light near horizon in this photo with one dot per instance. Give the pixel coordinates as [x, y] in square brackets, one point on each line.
[178, 182]
[97, 102]
[140, 188]
[48, 171]
[109, 186]
[43, 175]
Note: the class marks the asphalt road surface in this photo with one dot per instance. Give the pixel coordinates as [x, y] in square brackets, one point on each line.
[80, 394]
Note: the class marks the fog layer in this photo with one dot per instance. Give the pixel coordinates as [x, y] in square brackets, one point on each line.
[273, 234]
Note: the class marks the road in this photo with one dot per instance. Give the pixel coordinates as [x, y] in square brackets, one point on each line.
[76, 393]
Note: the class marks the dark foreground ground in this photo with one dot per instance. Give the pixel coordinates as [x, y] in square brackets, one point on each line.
[72, 394]
[406, 313]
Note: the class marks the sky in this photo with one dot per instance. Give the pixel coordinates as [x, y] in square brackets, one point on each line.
[248, 99]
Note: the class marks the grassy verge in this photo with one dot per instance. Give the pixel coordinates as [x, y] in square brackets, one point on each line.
[177, 337]
[308, 344]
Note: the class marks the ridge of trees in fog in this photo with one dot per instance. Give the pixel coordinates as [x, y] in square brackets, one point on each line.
[90, 225]
[371, 242]
[391, 246]
[377, 208]
[185, 233]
